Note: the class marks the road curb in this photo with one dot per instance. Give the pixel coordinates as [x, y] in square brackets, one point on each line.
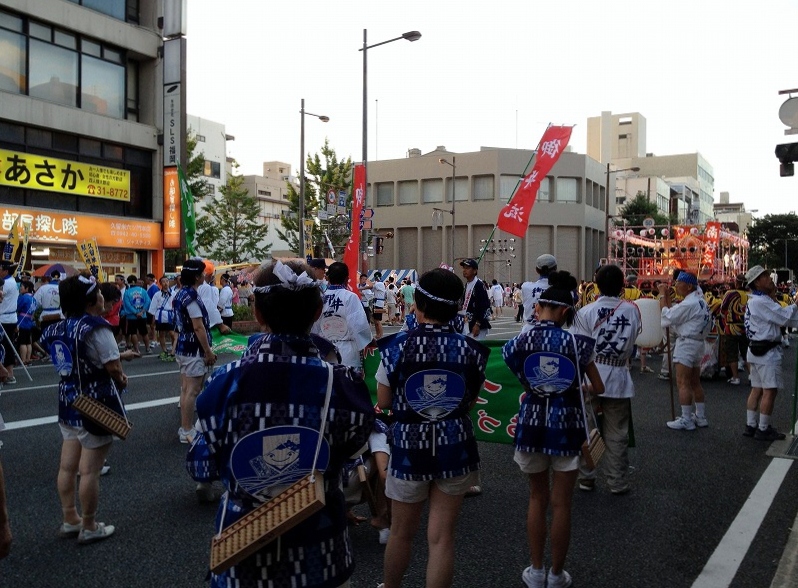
[787, 572]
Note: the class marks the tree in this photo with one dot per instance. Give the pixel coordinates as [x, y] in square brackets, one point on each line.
[229, 228]
[640, 208]
[194, 171]
[767, 238]
[320, 177]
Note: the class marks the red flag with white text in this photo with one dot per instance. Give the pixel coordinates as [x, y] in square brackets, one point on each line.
[514, 217]
[352, 251]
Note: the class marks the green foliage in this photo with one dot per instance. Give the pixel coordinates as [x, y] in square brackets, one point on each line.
[242, 313]
[767, 237]
[639, 208]
[320, 177]
[229, 228]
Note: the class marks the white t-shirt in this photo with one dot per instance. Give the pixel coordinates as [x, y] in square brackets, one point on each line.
[101, 347]
[49, 300]
[8, 307]
[210, 298]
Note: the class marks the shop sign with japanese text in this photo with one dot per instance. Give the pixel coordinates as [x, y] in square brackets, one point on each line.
[51, 225]
[37, 172]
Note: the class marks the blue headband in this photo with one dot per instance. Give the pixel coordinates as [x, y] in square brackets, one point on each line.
[687, 278]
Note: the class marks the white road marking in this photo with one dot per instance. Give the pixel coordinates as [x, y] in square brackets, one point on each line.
[54, 419]
[728, 555]
[7, 389]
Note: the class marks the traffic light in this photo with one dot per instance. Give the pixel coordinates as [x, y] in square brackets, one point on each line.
[378, 246]
[787, 154]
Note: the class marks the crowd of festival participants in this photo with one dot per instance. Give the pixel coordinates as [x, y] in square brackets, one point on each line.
[297, 399]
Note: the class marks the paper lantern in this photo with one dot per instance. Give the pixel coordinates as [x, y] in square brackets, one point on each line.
[693, 231]
[630, 233]
[651, 231]
[665, 232]
[618, 234]
[651, 316]
[642, 232]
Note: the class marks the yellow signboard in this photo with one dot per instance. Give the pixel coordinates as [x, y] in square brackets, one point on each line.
[37, 172]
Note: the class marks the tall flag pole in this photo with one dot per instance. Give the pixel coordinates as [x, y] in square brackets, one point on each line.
[352, 251]
[189, 216]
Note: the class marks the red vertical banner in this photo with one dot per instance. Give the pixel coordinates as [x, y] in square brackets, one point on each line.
[514, 217]
[171, 209]
[352, 251]
[711, 241]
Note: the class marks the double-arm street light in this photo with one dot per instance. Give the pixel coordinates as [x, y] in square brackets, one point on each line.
[607, 202]
[454, 169]
[408, 36]
[322, 118]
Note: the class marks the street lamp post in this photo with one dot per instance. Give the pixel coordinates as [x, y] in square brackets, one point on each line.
[607, 202]
[454, 168]
[322, 118]
[409, 36]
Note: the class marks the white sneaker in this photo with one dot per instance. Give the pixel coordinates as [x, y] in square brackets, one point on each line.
[105, 469]
[562, 581]
[700, 421]
[102, 531]
[186, 437]
[681, 424]
[734, 381]
[533, 578]
[385, 534]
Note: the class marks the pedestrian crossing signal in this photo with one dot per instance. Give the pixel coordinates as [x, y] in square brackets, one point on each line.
[378, 246]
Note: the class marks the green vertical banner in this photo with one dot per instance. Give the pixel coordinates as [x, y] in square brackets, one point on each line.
[495, 413]
[189, 218]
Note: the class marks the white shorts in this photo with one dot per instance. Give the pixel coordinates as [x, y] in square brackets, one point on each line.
[688, 352]
[765, 376]
[409, 491]
[86, 439]
[192, 366]
[534, 463]
[378, 443]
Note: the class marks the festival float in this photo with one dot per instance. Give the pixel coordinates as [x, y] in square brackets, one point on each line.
[710, 251]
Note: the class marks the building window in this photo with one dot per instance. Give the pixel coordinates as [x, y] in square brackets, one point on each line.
[408, 192]
[213, 169]
[544, 193]
[483, 188]
[431, 191]
[200, 138]
[385, 194]
[461, 189]
[507, 186]
[103, 87]
[567, 190]
[264, 193]
[97, 79]
[12, 60]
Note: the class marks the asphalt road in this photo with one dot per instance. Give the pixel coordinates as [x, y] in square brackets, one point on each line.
[688, 489]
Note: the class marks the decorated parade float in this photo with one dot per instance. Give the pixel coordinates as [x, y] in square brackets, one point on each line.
[652, 252]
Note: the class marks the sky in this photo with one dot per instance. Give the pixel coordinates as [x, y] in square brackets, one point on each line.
[704, 73]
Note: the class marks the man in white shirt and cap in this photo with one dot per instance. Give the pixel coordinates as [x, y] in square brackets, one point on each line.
[764, 318]
[531, 291]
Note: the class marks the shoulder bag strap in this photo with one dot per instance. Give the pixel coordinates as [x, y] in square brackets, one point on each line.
[324, 412]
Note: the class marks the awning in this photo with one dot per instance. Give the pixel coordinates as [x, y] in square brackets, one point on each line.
[398, 274]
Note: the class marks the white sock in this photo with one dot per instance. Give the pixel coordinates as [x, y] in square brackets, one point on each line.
[687, 412]
[751, 418]
[700, 409]
[764, 422]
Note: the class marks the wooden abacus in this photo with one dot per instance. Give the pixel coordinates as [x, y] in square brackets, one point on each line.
[98, 413]
[593, 449]
[267, 522]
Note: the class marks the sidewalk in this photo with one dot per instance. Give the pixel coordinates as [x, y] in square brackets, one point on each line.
[787, 572]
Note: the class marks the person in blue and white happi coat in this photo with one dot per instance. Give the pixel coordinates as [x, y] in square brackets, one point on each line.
[615, 324]
[531, 291]
[551, 428]
[430, 378]
[260, 418]
[162, 310]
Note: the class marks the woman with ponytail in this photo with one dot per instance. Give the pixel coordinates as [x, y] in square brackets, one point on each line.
[549, 362]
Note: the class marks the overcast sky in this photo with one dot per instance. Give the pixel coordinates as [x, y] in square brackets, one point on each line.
[705, 74]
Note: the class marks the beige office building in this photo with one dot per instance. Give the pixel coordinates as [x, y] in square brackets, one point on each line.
[567, 220]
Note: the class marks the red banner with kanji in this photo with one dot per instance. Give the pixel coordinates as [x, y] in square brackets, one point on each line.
[352, 251]
[514, 217]
[711, 241]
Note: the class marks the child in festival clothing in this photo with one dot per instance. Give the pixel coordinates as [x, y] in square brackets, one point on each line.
[430, 377]
[285, 380]
[551, 426]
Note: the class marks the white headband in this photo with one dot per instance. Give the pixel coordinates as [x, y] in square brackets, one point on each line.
[288, 279]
